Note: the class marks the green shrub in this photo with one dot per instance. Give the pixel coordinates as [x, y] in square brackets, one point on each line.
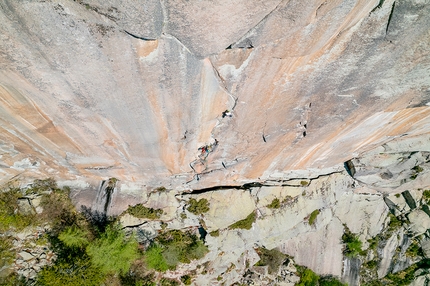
[245, 223]
[273, 258]
[413, 250]
[426, 195]
[74, 237]
[372, 264]
[78, 271]
[330, 281]
[198, 207]
[173, 247]
[140, 211]
[307, 277]
[58, 210]
[373, 242]
[10, 215]
[168, 282]
[214, 233]
[154, 258]
[313, 216]
[394, 223]
[7, 254]
[186, 279]
[404, 277]
[113, 253]
[353, 243]
[275, 204]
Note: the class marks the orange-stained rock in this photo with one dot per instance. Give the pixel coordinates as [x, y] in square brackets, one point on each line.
[104, 90]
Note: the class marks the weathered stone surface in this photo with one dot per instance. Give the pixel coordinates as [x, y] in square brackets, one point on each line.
[26, 256]
[144, 117]
[221, 214]
[141, 19]
[420, 222]
[128, 220]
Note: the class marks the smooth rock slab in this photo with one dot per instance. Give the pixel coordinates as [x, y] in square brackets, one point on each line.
[420, 222]
[26, 256]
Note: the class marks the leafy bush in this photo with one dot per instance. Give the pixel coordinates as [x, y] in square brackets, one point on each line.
[307, 277]
[394, 223]
[273, 258]
[74, 237]
[7, 254]
[245, 223]
[78, 271]
[141, 211]
[10, 215]
[113, 253]
[186, 279]
[173, 247]
[426, 195]
[414, 249]
[58, 210]
[353, 243]
[404, 277]
[275, 204]
[313, 216]
[154, 258]
[214, 233]
[198, 207]
[169, 282]
[330, 281]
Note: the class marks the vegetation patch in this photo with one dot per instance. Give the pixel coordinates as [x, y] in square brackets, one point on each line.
[141, 211]
[310, 278]
[198, 207]
[272, 258]
[414, 249]
[275, 204]
[394, 223]
[11, 216]
[186, 279]
[245, 223]
[173, 247]
[426, 195]
[313, 217]
[352, 243]
[214, 233]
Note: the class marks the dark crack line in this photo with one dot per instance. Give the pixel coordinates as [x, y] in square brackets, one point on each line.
[389, 18]
[137, 37]
[254, 27]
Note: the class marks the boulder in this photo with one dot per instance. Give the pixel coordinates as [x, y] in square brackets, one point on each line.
[419, 222]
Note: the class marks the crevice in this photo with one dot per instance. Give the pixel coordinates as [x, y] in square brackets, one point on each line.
[381, 2]
[247, 186]
[389, 18]
[137, 37]
[95, 9]
[254, 27]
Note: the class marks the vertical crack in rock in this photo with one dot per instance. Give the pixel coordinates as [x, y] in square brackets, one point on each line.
[389, 18]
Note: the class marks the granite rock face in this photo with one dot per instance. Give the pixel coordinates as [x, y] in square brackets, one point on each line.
[94, 89]
[323, 106]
